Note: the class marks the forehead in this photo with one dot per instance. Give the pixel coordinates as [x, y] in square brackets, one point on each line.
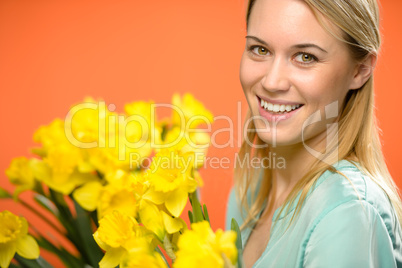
[293, 19]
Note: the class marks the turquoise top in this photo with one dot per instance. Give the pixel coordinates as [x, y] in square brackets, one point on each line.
[334, 228]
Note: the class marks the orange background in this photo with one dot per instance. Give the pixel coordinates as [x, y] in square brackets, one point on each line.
[54, 53]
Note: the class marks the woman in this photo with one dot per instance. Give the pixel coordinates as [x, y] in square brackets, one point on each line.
[307, 75]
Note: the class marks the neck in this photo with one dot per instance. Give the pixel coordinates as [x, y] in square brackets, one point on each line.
[297, 162]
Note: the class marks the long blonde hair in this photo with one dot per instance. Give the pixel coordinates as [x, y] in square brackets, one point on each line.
[359, 21]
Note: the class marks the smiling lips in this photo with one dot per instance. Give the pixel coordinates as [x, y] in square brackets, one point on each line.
[278, 108]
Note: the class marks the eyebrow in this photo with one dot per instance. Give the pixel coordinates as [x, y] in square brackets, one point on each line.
[295, 46]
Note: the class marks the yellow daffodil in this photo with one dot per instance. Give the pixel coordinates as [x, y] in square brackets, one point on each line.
[104, 160]
[49, 136]
[170, 178]
[119, 234]
[191, 112]
[198, 178]
[14, 238]
[117, 198]
[20, 174]
[158, 220]
[142, 256]
[141, 108]
[139, 259]
[64, 166]
[173, 224]
[107, 160]
[137, 182]
[63, 159]
[89, 123]
[88, 195]
[92, 127]
[201, 247]
[99, 157]
[55, 145]
[144, 114]
[197, 142]
[108, 137]
[121, 193]
[151, 217]
[125, 148]
[128, 140]
[60, 176]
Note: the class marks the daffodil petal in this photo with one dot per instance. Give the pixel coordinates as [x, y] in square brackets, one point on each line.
[85, 167]
[41, 170]
[200, 137]
[226, 241]
[66, 183]
[100, 243]
[24, 226]
[192, 185]
[151, 218]
[198, 178]
[112, 258]
[81, 178]
[154, 196]
[172, 225]
[65, 188]
[27, 247]
[176, 202]
[7, 252]
[88, 195]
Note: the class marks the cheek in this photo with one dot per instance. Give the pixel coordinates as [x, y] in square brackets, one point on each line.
[249, 72]
[243, 74]
[323, 85]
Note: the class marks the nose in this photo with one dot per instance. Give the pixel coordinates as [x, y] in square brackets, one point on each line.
[276, 78]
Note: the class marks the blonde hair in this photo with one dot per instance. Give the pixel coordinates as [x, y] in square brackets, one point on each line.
[359, 21]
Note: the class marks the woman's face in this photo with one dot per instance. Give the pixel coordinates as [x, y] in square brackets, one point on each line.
[290, 69]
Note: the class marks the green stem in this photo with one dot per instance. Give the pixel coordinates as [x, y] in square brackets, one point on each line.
[34, 210]
[198, 214]
[163, 256]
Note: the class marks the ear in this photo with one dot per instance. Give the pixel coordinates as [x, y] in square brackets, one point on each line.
[363, 71]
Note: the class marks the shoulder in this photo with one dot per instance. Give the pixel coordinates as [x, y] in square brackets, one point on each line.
[350, 235]
[349, 184]
[349, 211]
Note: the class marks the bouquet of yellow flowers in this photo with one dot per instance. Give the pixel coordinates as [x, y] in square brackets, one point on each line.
[118, 185]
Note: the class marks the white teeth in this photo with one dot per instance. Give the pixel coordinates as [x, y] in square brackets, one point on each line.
[270, 106]
[278, 108]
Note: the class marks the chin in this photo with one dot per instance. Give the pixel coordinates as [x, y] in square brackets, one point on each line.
[279, 140]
